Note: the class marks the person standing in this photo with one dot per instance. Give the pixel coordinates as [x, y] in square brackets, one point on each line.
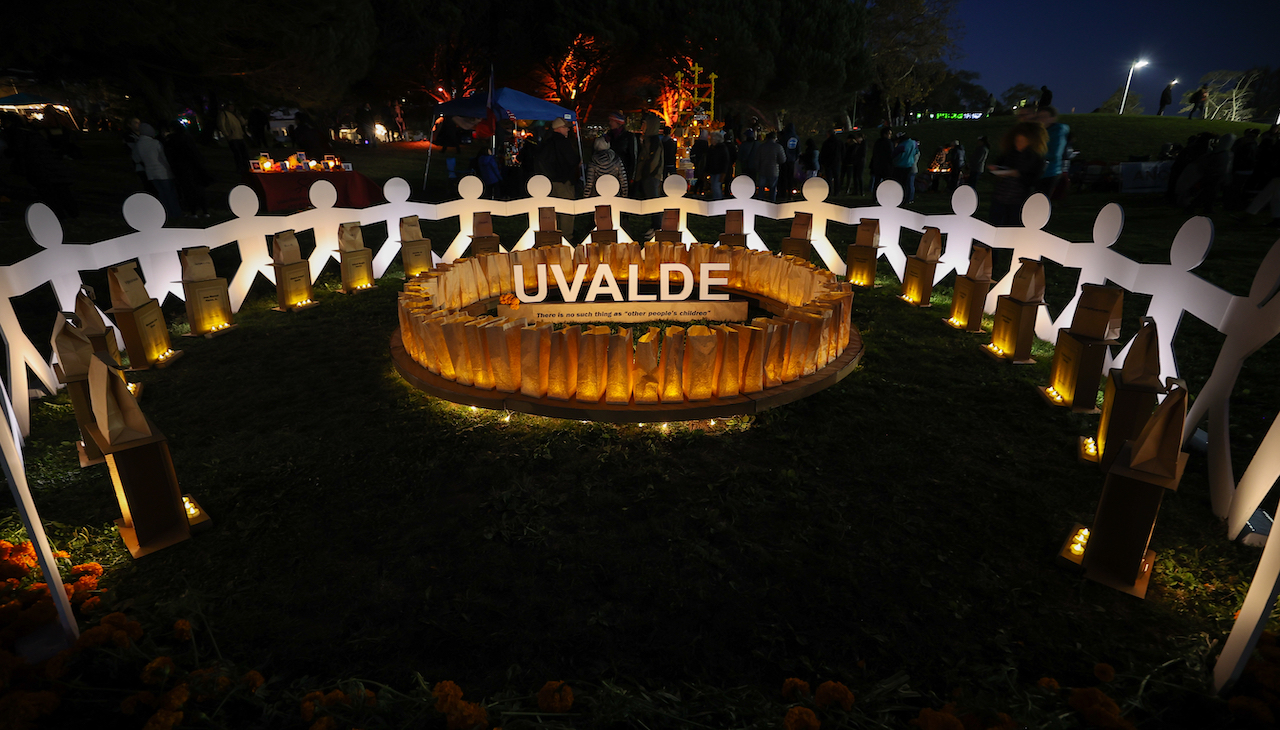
[1046, 98]
[131, 142]
[232, 128]
[768, 162]
[1198, 99]
[791, 148]
[855, 156]
[158, 171]
[449, 137]
[670, 155]
[881, 158]
[717, 164]
[747, 154]
[1166, 98]
[650, 167]
[605, 161]
[257, 127]
[1019, 166]
[905, 157]
[1057, 148]
[830, 159]
[623, 144]
[559, 161]
[955, 165]
[978, 161]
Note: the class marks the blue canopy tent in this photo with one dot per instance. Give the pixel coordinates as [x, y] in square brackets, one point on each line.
[507, 103]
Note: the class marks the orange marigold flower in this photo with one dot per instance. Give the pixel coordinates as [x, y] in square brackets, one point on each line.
[793, 689]
[96, 636]
[447, 695]
[307, 710]
[370, 699]
[91, 604]
[158, 670]
[175, 698]
[94, 569]
[129, 705]
[1251, 709]
[56, 665]
[336, 697]
[930, 719]
[1104, 672]
[555, 696]
[116, 619]
[466, 716]
[24, 554]
[163, 720]
[253, 680]
[182, 630]
[61, 554]
[1049, 683]
[830, 693]
[801, 718]
[324, 723]
[120, 639]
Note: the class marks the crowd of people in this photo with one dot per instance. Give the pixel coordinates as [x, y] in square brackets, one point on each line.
[1242, 173]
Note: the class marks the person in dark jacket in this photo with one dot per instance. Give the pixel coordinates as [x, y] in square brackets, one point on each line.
[605, 161]
[747, 154]
[698, 156]
[830, 158]
[623, 143]
[882, 158]
[670, 154]
[855, 157]
[1046, 98]
[650, 167]
[489, 172]
[558, 159]
[1166, 98]
[189, 173]
[956, 163]
[791, 148]
[717, 165]
[978, 161]
[1017, 169]
[809, 160]
[768, 162]
[449, 137]
[1199, 98]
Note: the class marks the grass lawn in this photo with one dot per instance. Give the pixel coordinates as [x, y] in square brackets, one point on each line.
[895, 533]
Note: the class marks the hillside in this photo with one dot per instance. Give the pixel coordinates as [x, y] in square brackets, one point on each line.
[1098, 136]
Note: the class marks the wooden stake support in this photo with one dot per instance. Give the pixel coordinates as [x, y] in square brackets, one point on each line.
[146, 487]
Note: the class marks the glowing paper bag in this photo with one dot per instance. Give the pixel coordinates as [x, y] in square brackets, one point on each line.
[74, 350]
[621, 362]
[1028, 282]
[115, 411]
[91, 324]
[535, 358]
[778, 336]
[504, 342]
[979, 263]
[672, 366]
[1142, 364]
[284, 248]
[455, 339]
[197, 265]
[701, 351]
[350, 237]
[562, 368]
[481, 277]
[478, 352]
[593, 364]
[127, 290]
[410, 229]
[436, 344]
[729, 367]
[753, 350]
[529, 258]
[648, 368]
[930, 249]
[1098, 314]
[652, 258]
[1158, 449]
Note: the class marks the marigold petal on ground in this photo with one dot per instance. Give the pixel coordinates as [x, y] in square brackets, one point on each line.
[833, 693]
[1104, 672]
[447, 694]
[1049, 683]
[158, 670]
[182, 630]
[253, 680]
[555, 696]
[467, 715]
[930, 719]
[793, 689]
[801, 718]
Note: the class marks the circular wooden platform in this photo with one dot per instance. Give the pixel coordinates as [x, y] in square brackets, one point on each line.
[423, 379]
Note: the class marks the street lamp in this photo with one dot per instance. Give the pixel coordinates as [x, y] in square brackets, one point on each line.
[1125, 97]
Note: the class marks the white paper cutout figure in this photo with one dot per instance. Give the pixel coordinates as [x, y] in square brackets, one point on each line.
[962, 231]
[743, 189]
[396, 191]
[892, 220]
[470, 188]
[1029, 241]
[815, 193]
[246, 230]
[1097, 264]
[1249, 323]
[1174, 290]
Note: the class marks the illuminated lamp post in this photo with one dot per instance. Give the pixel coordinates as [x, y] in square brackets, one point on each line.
[1125, 96]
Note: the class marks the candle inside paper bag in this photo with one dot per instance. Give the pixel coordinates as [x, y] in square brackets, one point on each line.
[455, 340]
[535, 358]
[700, 352]
[728, 365]
[562, 369]
[621, 359]
[648, 368]
[436, 340]
[504, 354]
[752, 352]
[478, 352]
[593, 361]
[672, 365]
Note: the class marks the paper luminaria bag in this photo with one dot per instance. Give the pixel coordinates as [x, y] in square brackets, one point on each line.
[798, 243]
[733, 230]
[1158, 449]
[91, 324]
[548, 233]
[1028, 281]
[127, 289]
[284, 248]
[647, 385]
[604, 231]
[115, 411]
[197, 265]
[1142, 364]
[863, 253]
[75, 352]
[483, 239]
[917, 280]
[1098, 313]
[670, 231]
[415, 251]
[979, 263]
[350, 237]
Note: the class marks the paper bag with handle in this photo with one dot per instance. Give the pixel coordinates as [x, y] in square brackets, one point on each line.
[1142, 364]
[91, 324]
[127, 290]
[1028, 282]
[979, 263]
[350, 237]
[75, 352]
[1158, 448]
[410, 229]
[115, 411]
[648, 367]
[1098, 313]
[284, 248]
[562, 372]
[930, 249]
[621, 366]
[197, 265]
[672, 365]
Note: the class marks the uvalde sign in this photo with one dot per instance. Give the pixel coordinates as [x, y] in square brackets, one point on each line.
[666, 304]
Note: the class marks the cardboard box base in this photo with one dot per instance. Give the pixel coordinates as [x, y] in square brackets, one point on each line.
[1067, 559]
[1138, 588]
[609, 235]
[668, 237]
[296, 307]
[542, 239]
[1082, 453]
[131, 540]
[86, 460]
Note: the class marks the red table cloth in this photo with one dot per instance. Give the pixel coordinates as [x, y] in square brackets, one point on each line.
[288, 191]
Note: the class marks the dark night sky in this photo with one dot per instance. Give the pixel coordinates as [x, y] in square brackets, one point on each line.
[1082, 49]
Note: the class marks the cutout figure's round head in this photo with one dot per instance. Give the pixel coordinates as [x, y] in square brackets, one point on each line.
[1035, 212]
[323, 194]
[470, 188]
[964, 201]
[243, 201]
[396, 190]
[1108, 224]
[675, 186]
[143, 212]
[608, 186]
[742, 187]
[889, 194]
[1192, 243]
[816, 190]
[44, 226]
[539, 186]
